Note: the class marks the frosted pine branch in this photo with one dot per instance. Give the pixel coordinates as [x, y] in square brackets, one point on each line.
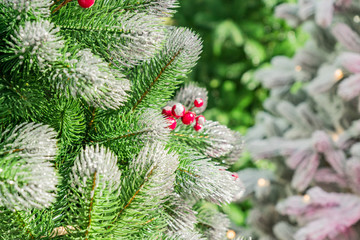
[348, 88]
[94, 190]
[141, 38]
[36, 7]
[206, 180]
[100, 161]
[27, 178]
[181, 218]
[37, 41]
[311, 57]
[89, 77]
[220, 224]
[186, 45]
[155, 159]
[324, 13]
[325, 80]
[220, 139]
[289, 12]
[215, 223]
[350, 61]
[318, 144]
[159, 8]
[188, 94]
[125, 134]
[185, 235]
[155, 84]
[282, 73]
[284, 231]
[146, 189]
[154, 124]
[236, 151]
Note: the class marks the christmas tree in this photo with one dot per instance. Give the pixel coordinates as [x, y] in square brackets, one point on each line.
[310, 130]
[96, 142]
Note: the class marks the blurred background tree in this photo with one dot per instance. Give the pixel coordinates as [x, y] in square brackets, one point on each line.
[240, 36]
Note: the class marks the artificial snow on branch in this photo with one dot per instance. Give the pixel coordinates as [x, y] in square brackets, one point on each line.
[95, 187]
[145, 190]
[187, 94]
[90, 78]
[206, 180]
[140, 39]
[35, 42]
[39, 8]
[160, 8]
[157, 80]
[32, 180]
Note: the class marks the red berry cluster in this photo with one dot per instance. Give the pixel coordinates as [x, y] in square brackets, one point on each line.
[86, 3]
[187, 117]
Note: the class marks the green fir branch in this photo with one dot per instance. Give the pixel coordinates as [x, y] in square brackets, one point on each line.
[119, 37]
[161, 8]
[146, 92]
[67, 117]
[126, 134]
[27, 225]
[157, 80]
[186, 135]
[91, 206]
[94, 191]
[145, 188]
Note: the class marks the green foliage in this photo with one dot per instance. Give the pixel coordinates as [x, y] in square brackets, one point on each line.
[154, 82]
[95, 194]
[239, 36]
[140, 203]
[67, 117]
[25, 225]
[125, 134]
[85, 152]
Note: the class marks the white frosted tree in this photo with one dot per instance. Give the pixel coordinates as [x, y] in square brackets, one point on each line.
[310, 130]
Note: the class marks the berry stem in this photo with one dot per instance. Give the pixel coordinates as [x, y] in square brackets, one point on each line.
[61, 5]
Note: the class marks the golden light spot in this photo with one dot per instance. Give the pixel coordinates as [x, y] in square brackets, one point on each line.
[306, 198]
[298, 68]
[231, 234]
[356, 19]
[338, 74]
[263, 182]
[335, 137]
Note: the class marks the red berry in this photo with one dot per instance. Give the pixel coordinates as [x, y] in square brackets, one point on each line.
[178, 110]
[86, 3]
[188, 118]
[198, 102]
[172, 122]
[198, 127]
[235, 175]
[200, 119]
[167, 111]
